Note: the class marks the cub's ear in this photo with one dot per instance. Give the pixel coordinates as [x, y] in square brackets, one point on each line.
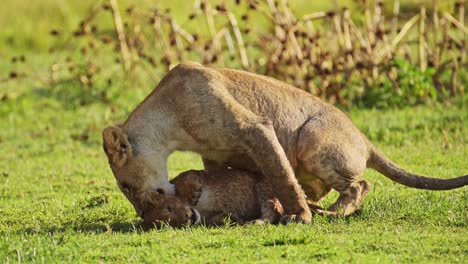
[116, 145]
[150, 199]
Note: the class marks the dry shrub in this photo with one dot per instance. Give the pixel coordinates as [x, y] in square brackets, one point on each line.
[333, 55]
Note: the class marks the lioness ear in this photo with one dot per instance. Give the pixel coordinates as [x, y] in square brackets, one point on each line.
[116, 145]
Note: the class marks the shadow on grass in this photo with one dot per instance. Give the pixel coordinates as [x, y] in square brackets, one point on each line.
[123, 227]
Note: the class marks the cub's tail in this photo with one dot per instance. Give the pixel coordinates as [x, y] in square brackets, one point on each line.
[380, 163]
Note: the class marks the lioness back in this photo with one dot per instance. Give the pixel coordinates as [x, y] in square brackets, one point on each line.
[287, 107]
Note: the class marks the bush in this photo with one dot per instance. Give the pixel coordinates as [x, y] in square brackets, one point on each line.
[404, 85]
[340, 56]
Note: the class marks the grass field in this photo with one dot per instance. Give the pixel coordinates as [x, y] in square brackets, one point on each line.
[59, 201]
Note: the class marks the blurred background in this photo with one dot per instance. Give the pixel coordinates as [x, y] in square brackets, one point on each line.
[351, 53]
[68, 68]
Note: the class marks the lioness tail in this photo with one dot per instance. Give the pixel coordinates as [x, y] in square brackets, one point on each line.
[380, 163]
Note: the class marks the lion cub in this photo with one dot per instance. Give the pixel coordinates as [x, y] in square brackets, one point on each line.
[213, 197]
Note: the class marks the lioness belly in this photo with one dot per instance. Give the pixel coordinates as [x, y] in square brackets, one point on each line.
[225, 159]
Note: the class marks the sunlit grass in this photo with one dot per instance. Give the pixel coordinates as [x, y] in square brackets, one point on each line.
[59, 201]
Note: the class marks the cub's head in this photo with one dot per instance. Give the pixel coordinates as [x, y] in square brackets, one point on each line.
[169, 209]
[133, 176]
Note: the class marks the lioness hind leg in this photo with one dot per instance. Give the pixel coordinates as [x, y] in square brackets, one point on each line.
[316, 209]
[350, 199]
[347, 203]
[336, 153]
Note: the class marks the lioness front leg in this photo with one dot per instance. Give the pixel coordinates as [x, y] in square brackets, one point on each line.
[263, 147]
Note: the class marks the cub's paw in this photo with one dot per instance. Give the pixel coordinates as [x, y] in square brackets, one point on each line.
[286, 219]
[256, 222]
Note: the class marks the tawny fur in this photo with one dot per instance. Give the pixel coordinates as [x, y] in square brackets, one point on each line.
[217, 196]
[246, 121]
[166, 209]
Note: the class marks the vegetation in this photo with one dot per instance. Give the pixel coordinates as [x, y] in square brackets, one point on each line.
[59, 201]
[391, 52]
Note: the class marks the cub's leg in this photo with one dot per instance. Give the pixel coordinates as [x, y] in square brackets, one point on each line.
[335, 152]
[270, 207]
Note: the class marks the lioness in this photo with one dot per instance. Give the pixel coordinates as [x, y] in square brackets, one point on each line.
[211, 198]
[247, 121]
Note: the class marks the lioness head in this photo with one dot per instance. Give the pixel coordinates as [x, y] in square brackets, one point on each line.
[131, 172]
[169, 209]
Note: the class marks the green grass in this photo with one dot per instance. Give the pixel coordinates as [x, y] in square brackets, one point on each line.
[59, 201]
